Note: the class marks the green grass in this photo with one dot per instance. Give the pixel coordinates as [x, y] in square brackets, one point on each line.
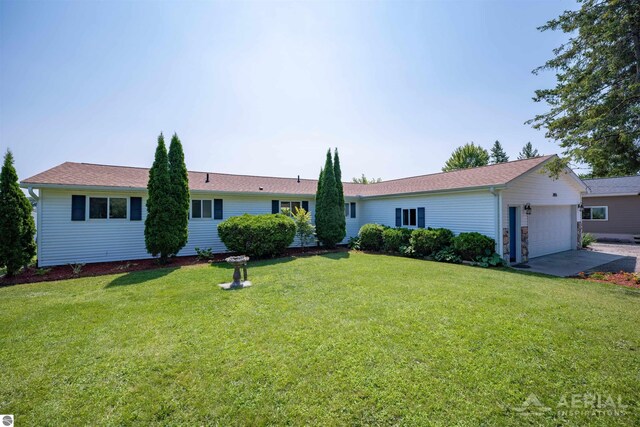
[341, 339]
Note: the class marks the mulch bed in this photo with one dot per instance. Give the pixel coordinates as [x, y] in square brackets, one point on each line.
[63, 272]
[622, 278]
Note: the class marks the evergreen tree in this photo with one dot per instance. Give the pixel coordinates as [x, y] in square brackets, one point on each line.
[467, 156]
[528, 152]
[328, 212]
[498, 155]
[342, 223]
[17, 229]
[159, 237]
[594, 107]
[179, 194]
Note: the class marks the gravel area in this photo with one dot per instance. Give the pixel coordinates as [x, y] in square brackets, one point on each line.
[630, 251]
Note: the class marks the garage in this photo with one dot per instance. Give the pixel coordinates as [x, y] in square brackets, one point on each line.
[549, 230]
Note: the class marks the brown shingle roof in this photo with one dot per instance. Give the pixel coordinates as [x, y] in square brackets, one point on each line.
[92, 175]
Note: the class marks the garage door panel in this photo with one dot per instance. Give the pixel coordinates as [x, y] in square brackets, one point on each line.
[549, 230]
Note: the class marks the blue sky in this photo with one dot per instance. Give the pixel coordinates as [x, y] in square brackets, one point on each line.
[265, 88]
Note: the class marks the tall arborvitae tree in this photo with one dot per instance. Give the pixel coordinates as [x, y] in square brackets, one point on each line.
[17, 229]
[498, 155]
[328, 212]
[179, 193]
[528, 152]
[159, 237]
[338, 174]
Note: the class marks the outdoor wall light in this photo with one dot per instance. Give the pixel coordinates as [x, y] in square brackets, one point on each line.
[527, 208]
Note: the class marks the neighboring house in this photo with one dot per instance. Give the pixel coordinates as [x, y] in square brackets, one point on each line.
[93, 213]
[612, 208]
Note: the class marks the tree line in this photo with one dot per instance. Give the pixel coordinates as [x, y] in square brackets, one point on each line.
[471, 155]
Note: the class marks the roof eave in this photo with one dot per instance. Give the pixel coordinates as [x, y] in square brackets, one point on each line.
[448, 190]
[610, 194]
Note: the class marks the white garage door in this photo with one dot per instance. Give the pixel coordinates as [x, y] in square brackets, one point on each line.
[549, 230]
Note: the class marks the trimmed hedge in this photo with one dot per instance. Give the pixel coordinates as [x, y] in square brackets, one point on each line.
[395, 238]
[431, 240]
[257, 235]
[470, 246]
[371, 237]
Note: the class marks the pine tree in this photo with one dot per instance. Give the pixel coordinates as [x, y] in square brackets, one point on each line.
[342, 223]
[158, 236]
[498, 155]
[328, 212]
[528, 152]
[17, 229]
[179, 194]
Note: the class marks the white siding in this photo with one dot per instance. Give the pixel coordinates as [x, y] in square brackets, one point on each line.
[537, 188]
[62, 241]
[459, 212]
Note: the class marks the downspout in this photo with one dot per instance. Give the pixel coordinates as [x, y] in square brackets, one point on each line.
[498, 220]
[32, 194]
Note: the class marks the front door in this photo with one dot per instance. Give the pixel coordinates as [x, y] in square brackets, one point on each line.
[512, 233]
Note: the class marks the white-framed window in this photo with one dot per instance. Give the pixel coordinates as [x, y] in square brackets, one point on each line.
[595, 213]
[292, 206]
[409, 217]
[107, 207]
[201, 209]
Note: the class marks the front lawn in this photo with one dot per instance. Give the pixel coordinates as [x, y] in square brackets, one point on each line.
[344, 339]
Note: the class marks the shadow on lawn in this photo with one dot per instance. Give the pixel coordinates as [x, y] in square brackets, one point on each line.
[137, 277]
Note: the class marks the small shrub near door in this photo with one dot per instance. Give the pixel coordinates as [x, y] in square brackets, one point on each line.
[395, 238]
[471, 246]
[588, 239]
[257, 235]
[371, 237]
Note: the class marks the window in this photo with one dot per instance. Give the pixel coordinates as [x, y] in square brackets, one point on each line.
[98, 207]
[409, 217]
[346, 209]
[201, 209]
[596, 213]
[291, 206]
[217, 208]
[117, 208]
[107, 208]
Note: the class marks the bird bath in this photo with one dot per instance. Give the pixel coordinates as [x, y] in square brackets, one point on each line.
[237, 262]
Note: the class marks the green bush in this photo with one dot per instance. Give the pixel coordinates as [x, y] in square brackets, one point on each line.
[371, 237]
[257, 235]
[588, 239]
[447, 255]
[471, 246]
[395, 238]
[431, 240]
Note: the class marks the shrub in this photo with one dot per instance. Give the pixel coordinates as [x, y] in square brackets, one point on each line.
[470, 246]
[431, 240]
[205, 254]
[257, 235]
[588, 239]
[393, 239]
[371, 237]
[354, 243]
[447, 255]
[493, 260]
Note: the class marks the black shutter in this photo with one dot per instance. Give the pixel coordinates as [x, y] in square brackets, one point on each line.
[78, 207]
[135, 207]
[305, 205]
[353, 210]
[398, 217]
[420, 217]
[217, 209]
[275, 206]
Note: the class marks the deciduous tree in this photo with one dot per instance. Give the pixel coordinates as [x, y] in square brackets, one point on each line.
[467, 156]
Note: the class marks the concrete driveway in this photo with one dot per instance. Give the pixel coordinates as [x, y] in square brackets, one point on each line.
[570, 263]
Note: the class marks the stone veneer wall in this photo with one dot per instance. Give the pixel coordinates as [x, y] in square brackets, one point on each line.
[579, 235]
[524, 242]
[505, 244]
